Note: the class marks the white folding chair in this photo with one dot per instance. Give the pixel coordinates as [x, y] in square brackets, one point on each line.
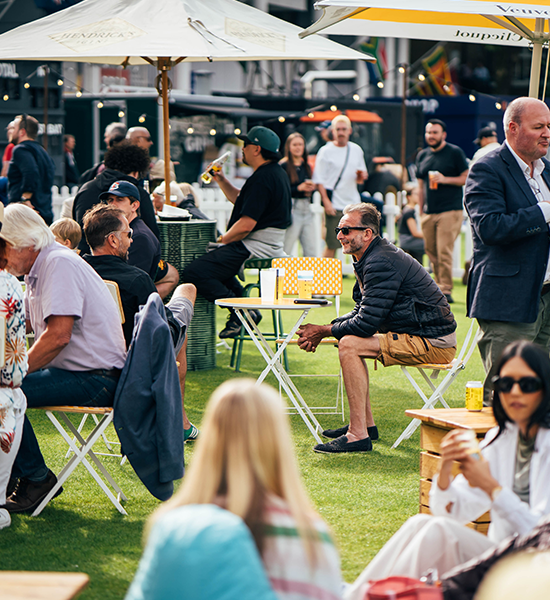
[451, 369]
[112, 286]
[81, 454]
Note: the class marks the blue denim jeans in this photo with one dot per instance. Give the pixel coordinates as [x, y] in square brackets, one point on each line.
[57, 387]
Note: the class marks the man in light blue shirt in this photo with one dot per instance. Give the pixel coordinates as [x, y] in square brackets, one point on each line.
[79, 347]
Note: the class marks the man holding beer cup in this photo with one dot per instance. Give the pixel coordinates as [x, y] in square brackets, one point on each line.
[441, 170]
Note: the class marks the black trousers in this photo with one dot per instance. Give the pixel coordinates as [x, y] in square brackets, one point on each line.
[213, 274]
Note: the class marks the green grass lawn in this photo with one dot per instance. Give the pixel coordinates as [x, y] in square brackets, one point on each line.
[365, 498]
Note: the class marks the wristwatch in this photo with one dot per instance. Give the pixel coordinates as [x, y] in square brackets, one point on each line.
[219, 240]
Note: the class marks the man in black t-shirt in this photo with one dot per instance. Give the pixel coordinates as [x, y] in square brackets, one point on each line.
[145, 249]
[256, 228]
[441, 170]
[109, 237]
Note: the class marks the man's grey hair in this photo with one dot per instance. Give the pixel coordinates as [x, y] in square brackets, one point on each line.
[516, 109]
[514, 112]
[370, 217]
[115, 129]
[136, 131]
[25, 228]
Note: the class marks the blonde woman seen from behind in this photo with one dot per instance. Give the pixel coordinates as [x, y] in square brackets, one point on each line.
[244, 464]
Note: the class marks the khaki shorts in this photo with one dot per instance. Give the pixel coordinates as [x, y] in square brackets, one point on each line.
[405, 349]
[331, 223]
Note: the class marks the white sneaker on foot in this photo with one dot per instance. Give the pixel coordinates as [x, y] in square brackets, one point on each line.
[5, 519]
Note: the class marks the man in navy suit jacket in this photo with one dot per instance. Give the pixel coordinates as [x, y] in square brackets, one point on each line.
[508, 200]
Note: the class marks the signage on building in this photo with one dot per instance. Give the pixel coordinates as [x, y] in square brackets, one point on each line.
[8, 70]
[53, 128]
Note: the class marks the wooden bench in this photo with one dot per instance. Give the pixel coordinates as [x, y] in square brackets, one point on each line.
[435, 424]
[31, 585]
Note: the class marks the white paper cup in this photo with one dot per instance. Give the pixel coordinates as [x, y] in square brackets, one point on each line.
[268, 284]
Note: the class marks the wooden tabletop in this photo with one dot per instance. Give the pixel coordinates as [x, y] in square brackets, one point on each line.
[456, 418]
[30, 585]
[258, 303]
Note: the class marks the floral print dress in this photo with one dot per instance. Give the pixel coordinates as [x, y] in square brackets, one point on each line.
[12, 399]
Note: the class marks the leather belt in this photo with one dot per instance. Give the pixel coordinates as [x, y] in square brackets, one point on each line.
[545, 289]
[105, 372]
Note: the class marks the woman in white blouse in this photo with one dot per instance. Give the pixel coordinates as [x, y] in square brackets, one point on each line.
[511, 478]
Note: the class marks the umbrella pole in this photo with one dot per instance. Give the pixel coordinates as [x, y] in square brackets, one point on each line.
[164, 65]
[536, 59]
[404, 127]
[45, 119]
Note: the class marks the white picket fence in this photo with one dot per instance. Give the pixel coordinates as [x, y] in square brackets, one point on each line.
[216, 206]
[59, 196]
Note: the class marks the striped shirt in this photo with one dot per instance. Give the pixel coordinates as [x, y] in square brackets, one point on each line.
[286, 562]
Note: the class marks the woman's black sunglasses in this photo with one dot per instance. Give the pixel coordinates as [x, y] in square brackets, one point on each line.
[528, 385]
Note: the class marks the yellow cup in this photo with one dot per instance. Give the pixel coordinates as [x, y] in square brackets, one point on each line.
[280, 283]
[305, 284]
[474, 396]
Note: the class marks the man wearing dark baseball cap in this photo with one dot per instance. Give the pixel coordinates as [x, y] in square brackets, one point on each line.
[145, 251]
[487, 141]
[256, 228]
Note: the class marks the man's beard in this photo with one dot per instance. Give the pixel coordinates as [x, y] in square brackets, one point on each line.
[435, 145]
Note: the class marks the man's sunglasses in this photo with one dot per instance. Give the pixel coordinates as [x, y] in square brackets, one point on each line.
[128, 232]
[346, 230]
[528, 385]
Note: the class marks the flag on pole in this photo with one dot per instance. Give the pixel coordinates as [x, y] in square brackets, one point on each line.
[376, 47]
[438, 74]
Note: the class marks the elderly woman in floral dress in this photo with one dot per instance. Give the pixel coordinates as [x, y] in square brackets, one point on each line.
[12, 400]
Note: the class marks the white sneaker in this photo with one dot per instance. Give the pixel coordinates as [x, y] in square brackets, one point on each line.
[5, 519]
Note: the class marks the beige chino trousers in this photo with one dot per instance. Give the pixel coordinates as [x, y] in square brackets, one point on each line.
[440, 232]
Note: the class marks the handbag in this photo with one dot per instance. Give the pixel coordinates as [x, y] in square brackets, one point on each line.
[402, 588]
[329, 192]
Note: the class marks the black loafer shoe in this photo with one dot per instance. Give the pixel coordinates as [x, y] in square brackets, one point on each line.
[28, 494]
[336, 433]
[449, 298]
[341, 444]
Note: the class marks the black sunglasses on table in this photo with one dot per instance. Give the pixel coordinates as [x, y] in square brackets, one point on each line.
[528, 385]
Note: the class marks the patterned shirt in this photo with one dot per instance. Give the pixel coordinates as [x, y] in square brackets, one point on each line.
[12, 399]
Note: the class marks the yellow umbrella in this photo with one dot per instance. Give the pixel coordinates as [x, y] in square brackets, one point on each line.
[515, 23]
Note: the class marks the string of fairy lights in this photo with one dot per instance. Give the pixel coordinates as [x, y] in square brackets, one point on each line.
[402, 69]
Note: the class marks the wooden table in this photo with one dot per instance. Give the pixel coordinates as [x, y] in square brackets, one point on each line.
[436, 423]
[30, 585]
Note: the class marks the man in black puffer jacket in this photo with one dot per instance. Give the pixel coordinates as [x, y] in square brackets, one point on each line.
[400, 318]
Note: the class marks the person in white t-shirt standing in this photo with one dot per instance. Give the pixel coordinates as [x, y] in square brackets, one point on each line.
[339, 168]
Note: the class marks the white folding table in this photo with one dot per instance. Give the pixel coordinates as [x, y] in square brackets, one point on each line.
[242, 308]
